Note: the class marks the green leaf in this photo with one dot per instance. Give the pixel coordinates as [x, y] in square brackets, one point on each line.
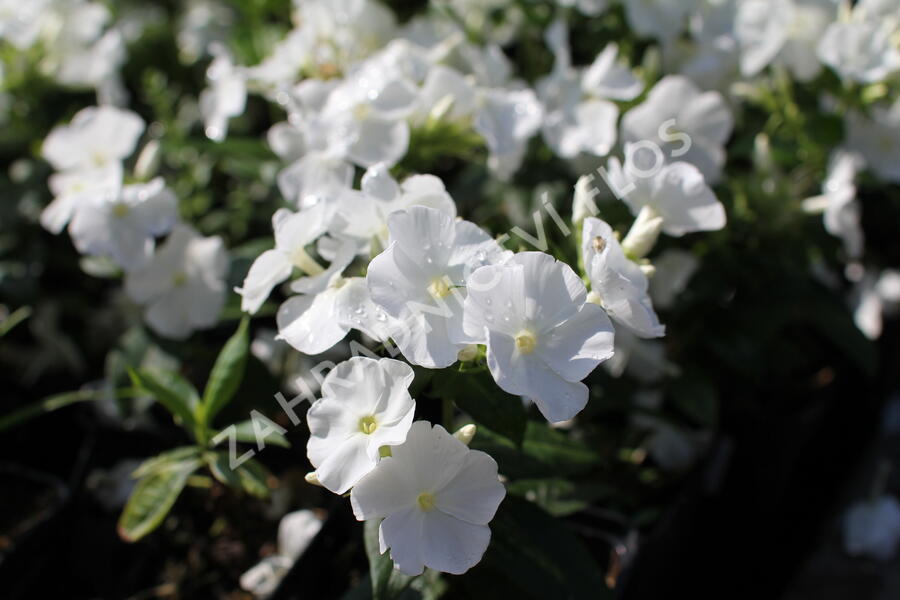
[545, 452]
[254, 478]
[219, 467]
[491, 407]
[170, 390]
[170, 459]
[387, 582]
[152, 499]
[244, 432]
[560, 497]
[227, 373]
[540, 555]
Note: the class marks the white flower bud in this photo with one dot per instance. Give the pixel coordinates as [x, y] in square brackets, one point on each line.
[465, 433]
[312, 479]
[468, 353]
[148, 161]
[643, 233]
[583, 202]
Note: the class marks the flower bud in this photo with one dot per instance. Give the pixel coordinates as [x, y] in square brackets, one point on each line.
[468, 353]
[312, 479]
[643, 233]
[583, 202]
[465, 433]
[148, 161]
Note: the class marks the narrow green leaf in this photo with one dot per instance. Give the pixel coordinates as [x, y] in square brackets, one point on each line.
[170, 459]
[166, 388]
[17, 316]
[254, 478]
[477, 395]
[55, 402]
[227, 373]
[219, 467]
[152, 499]
[387, 582]
[244, 432]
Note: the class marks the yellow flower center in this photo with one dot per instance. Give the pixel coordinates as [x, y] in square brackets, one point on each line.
[425, 501]
[120, 210]
[599, 243]
[526, 341]
[368, 425]
[179, 279]
[439, 288]
[361, 111]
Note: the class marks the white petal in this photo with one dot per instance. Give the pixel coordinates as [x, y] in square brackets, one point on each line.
[475, 493]
[450, 545]
[268, 270]
[307, 323]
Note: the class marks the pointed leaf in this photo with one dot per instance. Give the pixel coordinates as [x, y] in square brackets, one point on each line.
[170, 390]
[152, 499]
[227, 373]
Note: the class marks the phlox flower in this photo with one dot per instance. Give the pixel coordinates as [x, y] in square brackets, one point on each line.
[436, 497]
[226, 96]
[365, 405]
[363, 215]
[838, 202]
[183, 286]
[676, 192]
[782, 31]
[293, 233]
[877, 139]
[96, 137]
[73, 188]
[328, 306]
[685, 123]
[617, 283]
[861, 49]
[419, 281]
[542, 337]
[579, 117]
[123, 226]
[663, 19]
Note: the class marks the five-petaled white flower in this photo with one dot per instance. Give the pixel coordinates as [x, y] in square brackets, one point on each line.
[676, 192]
[365, 405]
[123, 226]
[617, 283]
[96, 137]
[419, 281]
[542, 337]
[184, 285]
[436, 497]
[684, 122]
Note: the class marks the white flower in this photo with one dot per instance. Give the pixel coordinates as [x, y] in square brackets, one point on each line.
[226, 97]
[677, 192]
[686, 124]
[861, 50]
[365, 405]
[184, 285]
[76, 187]
[436, 497]
[619, 283]
[542, 338]
[872, 528]
[663, 19]
[293, 233]
[315, 177]
[838, 201]
[783, 31]
[877, 139]
[296, 532]
[506, 119]
[579, 118]
[364, 118]
[95, 137]
[123, 226]
[363, 216]
[419, 279]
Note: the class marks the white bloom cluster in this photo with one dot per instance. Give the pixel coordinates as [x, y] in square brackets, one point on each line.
[182, 283]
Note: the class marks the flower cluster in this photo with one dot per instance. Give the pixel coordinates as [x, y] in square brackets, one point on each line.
[366, 246]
